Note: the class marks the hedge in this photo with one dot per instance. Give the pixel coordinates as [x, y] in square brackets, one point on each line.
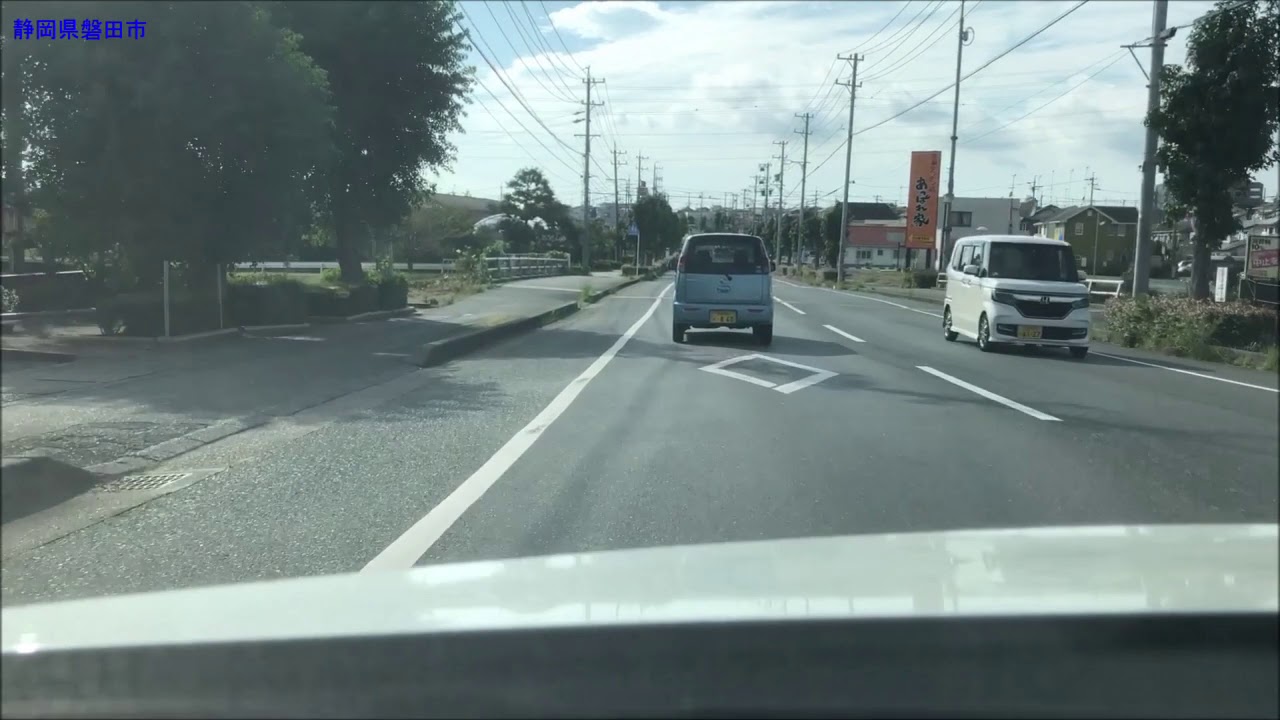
[141, 314]
[920, 279]
[265, 300]
[1187, 327]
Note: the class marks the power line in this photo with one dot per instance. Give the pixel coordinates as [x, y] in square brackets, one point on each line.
[1046, 104]
[507, 38]
[556, 30]
[925, 45]
[901, 43]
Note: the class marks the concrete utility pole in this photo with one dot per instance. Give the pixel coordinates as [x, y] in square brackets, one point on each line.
[639, 173]
[656, 178]
[963, 37]
[1093, 183]
[764, 186]
[617, 209]
[755, 192]
[804, 175]
[586, 173]
[1146, 213]
[848, 163]
[782, 171]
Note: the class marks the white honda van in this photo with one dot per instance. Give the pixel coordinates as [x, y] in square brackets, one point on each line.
[1016, 290]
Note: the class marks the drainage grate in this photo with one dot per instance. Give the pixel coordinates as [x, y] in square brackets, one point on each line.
[143, 482]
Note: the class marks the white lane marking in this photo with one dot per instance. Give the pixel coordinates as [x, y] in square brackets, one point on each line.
[721, 368]
[387, 354]
[405, 551]
[789, 305]
[865, 297]
[989, 395]
[838, 331]
[1187, 372]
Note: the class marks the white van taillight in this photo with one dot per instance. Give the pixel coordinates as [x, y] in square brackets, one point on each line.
[684, 260]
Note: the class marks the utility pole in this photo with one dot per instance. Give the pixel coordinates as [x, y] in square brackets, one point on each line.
[586, 173]
[617, 209]
[848, 163]
[639, 173]
[764, 187]
[655, 179]
[963, 37]
[1093, 184]
[804, 175]
[782, 171]
[1142, 253]
[755, 192]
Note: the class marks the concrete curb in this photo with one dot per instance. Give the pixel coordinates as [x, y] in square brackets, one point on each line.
[29, 484]
[374, 315]
[41, 355]
[269, 328]
[36, 314]
[438, 352]
[173, 447]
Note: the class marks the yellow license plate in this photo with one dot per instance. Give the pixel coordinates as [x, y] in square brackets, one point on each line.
[724, 316]
[1029, 332]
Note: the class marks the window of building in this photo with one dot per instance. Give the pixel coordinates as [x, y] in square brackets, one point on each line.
[879, 252]
[1079, 228]
[961, 219]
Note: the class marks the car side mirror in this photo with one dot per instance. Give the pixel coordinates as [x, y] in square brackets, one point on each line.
[970, 269]
[773, 266]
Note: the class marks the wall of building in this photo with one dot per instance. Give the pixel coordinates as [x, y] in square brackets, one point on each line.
[875, 244]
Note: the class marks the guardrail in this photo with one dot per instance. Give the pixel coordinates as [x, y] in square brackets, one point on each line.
[1115, 292]
[507, 267]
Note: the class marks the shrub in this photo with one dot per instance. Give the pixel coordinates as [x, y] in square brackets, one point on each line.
[1189, 327]
[262, 299]
[330, 276]
[628, 270]
[341, 302]
[605, 265]
[141, 314]
[392, 291]
[577, 270]
[920, 279]
[8, 300]
[829, 274]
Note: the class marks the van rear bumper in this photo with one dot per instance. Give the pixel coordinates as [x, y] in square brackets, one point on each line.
[698, 315]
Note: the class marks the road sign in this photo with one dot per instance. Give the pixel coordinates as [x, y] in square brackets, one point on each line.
[633, 230]
[1220, 285]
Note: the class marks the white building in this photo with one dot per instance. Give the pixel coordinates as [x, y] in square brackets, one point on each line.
[999, 216]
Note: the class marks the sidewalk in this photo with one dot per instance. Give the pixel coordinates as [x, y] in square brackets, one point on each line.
[120, 406]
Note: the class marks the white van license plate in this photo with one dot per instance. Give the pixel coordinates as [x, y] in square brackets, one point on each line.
[724, 316]
[1029, 332]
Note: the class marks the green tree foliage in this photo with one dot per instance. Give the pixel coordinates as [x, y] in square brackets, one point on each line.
[539, 221]
[831, 235]
[1217, 118]
[398, 79]
[660, 228]
[199, 144]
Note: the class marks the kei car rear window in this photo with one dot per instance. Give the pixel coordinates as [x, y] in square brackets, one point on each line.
[725, 254]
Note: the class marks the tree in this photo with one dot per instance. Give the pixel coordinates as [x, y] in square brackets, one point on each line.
[398, 79]
[660, 227]
[539, 219]
[831, 236]
[200, 144]
[429, 229]
[1217, 118]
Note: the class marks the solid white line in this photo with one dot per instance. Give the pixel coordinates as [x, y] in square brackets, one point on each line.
[989, 395]
[784, 302]
[802, 383]
[838, 331]
[863, 297]
[405, 551]
[391, 354]
[925, 312]
[1188, 372]
[544, 287]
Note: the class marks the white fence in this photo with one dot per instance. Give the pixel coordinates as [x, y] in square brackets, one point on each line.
[1113, 284]
[501, 266]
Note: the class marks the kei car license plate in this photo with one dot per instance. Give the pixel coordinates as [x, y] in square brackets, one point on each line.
[724, 316]
[1029, 332]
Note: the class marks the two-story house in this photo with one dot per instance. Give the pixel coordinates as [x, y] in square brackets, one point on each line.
[1101, 236]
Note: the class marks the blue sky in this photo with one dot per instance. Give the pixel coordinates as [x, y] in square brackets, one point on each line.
[704, 89]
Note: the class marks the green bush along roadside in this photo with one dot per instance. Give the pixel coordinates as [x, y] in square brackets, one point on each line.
[1190, 328]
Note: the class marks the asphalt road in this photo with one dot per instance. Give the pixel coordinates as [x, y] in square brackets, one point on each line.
[600, 433]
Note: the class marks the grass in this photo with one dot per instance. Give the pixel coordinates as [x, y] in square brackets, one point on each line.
[585, 294]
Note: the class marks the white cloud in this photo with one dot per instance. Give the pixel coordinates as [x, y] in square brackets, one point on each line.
[704, 90]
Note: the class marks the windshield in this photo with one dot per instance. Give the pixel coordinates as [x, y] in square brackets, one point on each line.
[295, 289]
[725, 254]
[1028, 261]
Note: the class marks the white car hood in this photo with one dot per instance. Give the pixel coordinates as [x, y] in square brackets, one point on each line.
[1112, 569]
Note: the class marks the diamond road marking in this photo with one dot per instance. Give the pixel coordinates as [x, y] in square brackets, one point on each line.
[721, 368]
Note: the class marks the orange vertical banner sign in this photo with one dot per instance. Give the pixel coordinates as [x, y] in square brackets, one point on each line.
[922, 199]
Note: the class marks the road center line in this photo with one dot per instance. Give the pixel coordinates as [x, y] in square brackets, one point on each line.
[989, 395]
[789, 305]
[838, 331]
[1187, 372]
[405, 551]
